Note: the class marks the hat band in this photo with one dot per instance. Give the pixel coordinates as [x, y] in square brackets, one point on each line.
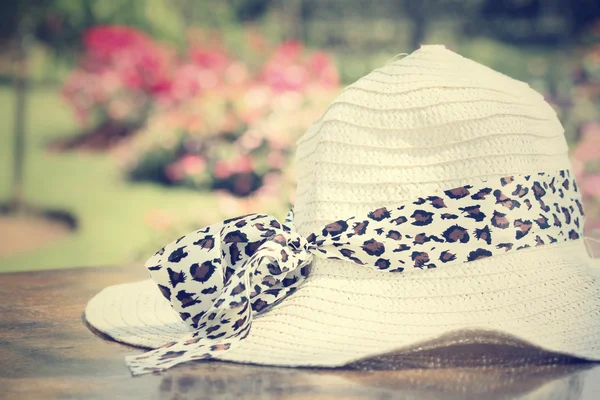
[217, 277]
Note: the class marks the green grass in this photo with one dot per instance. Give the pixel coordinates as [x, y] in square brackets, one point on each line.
[111, 213]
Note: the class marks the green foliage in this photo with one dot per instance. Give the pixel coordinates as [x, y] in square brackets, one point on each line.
[117, 223]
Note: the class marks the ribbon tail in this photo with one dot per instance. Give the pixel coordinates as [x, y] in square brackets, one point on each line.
[172, 354]
[190, 348]
[205, 343]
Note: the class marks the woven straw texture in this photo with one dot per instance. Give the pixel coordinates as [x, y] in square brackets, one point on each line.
[423, 124]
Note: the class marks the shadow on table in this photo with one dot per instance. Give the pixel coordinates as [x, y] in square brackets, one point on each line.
[461, 365]
[221, 380]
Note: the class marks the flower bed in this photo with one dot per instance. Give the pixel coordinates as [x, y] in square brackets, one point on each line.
[231, 127]
[204, 119]
[121, 74]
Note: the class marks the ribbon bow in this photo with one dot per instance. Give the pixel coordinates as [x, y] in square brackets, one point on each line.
[218, 277]
[245, 265]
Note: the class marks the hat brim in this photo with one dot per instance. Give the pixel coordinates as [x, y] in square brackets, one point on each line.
[548, 297]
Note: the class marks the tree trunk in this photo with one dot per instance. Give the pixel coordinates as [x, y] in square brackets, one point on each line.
[293, 16]
[415, 10]
[17, 201]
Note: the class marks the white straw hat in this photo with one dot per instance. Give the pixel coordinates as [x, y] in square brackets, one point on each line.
[459, 174]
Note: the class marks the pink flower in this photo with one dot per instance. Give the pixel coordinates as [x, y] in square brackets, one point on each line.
[588, 148]
[590, 185]
[250, 140]
[222, 170]
[284, 70]
[215, 59]
[276, 159]
[120, 65]
[106, 42]
[289, 69]
[282, 78]
[239, 122]
[244, 164]
[192, 164]
[204, 71]
[578, 168]
[288, 51]
[185, 85]
[161, 87]
[323, 70]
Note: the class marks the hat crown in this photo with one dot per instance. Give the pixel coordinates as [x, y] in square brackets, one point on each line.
[429, 122]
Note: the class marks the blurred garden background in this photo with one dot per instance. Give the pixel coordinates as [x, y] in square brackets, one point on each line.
[124, 124]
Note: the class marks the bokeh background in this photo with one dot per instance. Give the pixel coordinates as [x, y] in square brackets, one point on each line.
[124, 124]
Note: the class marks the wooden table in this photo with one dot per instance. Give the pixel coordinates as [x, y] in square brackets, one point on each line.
[46, 352]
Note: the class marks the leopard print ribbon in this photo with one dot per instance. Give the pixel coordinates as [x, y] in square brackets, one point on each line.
[219, 277]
